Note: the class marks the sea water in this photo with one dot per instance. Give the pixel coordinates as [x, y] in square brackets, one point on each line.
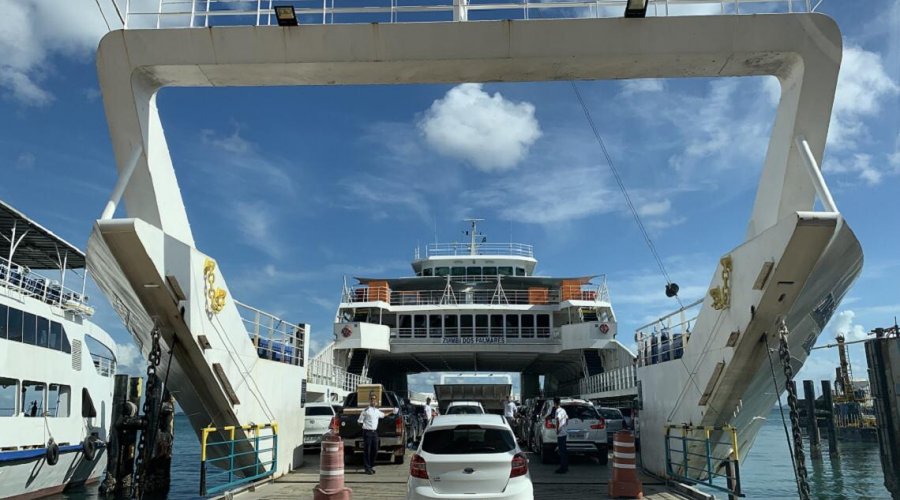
[766, 472]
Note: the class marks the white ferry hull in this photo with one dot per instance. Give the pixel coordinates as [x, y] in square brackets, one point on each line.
[34, 478]
[819, 260]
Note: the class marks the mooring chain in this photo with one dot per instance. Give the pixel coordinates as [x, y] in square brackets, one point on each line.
[785, 354]
[152, 363]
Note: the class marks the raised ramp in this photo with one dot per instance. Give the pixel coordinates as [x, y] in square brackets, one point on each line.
[214, 369]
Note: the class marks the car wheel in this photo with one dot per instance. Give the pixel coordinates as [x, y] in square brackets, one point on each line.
[398, 459]
[548, 454]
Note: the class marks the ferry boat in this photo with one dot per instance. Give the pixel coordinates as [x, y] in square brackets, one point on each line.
[479, 306]
[56, 367]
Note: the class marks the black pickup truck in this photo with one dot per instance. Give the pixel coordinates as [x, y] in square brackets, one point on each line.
[391, 429]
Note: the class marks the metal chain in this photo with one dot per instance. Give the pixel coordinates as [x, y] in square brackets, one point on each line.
[785, 354]
[152, 363]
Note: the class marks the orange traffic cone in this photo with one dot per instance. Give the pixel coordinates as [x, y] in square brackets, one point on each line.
[624, 482]
[331, 471]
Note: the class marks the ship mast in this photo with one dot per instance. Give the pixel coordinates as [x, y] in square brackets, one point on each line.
[473, 233]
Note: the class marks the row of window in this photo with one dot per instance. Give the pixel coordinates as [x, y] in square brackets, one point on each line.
[34, 399]
[21, 326]
[490, 325]
[473, 271]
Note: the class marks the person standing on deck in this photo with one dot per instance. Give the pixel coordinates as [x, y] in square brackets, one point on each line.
[429, 411]
[369, 419]
[561, 419]
[509, 411]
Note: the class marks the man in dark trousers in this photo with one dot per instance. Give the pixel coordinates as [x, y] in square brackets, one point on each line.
[369, 419]
[561, 420]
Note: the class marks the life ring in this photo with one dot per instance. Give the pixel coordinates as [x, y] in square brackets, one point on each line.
[89, 449]
[346, 332]
[604, 328]
[52, 452]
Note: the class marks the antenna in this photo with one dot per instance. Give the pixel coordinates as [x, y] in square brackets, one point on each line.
[473, 233]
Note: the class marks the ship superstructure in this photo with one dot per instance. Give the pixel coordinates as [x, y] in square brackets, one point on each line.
[479, 306]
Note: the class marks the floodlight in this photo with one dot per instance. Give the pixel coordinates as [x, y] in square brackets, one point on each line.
[636, 8]
[285, 15]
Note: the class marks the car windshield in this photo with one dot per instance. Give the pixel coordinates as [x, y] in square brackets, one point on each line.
[319, 411]
[464, 410]
[583, 412]
[468, 439]
[611, 414]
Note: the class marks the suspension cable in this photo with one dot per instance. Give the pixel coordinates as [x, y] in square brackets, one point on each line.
[615, 172]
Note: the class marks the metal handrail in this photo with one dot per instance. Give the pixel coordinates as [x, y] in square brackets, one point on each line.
[597, 294]
[454, 249]
[23, 280]
[324, 373]
[206, 13]
[230, 475]
[618, 379]
[681, 447]
[275, 339]
[106, 367]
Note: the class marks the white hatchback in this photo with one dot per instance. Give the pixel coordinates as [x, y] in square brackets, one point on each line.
[469, 457]
[318, 420]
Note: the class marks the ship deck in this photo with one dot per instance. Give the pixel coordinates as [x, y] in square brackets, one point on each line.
[586, 479]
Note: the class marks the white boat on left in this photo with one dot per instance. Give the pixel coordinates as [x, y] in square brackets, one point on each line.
[56, 367]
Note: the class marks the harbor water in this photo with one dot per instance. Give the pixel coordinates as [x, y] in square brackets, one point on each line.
[766, 472]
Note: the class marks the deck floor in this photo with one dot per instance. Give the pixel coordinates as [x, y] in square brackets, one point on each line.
[586, 479]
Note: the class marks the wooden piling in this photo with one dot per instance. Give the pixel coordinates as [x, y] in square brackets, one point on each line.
[883, 358]
[812, 425]
[113, 457]
[829, 422]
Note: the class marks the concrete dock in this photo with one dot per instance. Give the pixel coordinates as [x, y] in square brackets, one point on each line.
[585, 479]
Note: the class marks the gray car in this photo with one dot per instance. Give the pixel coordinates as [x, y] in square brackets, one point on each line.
[614, 421]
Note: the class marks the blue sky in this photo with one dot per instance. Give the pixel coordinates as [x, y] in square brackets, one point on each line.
[291, 189]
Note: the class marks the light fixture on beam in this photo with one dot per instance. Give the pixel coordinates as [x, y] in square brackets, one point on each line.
[636, 8]
[286, 15]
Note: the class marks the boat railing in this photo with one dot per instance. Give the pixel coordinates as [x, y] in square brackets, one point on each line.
[665, 338]
[617, 379]
[105, 366]
[322, 372]
[21, 279]
[275, 339]
[477, 335]
[211, 13]
[459, 249]
[537, 296]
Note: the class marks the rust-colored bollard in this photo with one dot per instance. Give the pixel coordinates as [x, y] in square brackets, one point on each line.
[331, 471]
[624, 481]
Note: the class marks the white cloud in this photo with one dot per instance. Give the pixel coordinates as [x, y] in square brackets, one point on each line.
[256, 222]
[129, 357]
[28, 40]
[654, 208]
[859, 164]
[25, 161]
[488, 131]
[862, 86]
[630, 87]
[843, 325]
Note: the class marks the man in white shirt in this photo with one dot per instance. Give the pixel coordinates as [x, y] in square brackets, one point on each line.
[369, 419]
[429, 411]
[561, 421]
[509, 409]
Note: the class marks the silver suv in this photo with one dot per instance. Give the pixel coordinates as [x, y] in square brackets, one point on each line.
[586, 431]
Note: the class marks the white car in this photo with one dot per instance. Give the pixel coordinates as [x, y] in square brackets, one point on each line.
[586, 431]
[469, 457]
[317, 421]
[465, 408]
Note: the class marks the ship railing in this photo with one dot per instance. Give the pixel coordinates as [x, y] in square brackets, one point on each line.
[588, 293]
[694, 455]
[274, 338]
[105, 366]
[476, 335]
[618, 379]
[328, 374]
[666, 338]
[242, 454]
[136, 14]
[21, 279]
[460, 249]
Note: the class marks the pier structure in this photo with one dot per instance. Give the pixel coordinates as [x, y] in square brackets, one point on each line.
[883, 357]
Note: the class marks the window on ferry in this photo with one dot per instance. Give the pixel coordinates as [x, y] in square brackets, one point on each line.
[33, 398]
[59, 400]
[528, 325]
[489, 271]
[441, 271]
[473, 271]
[543, 324]
[458, 271]
[87, 404]
[451, 325]
[520, 271]
[405, 328]
[43, 332]
[419, 323]
[29, 325]
[3, 315]
[465, 324]
[481, 325]
[512, 325]
[427, 271]
[9, 389]
[434, 325]
[55, 336]
[66, 347]
[496, 325]
[14, 323]
[505, 270]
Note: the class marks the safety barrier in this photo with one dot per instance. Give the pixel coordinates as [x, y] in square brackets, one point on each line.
[324, 373]
[666, 338]
[240, 460]
[275, 339]
[687, 446]
[618, 379]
